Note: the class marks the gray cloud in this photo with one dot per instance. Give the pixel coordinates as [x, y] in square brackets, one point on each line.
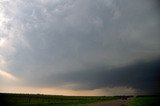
[141, 76]
[55, 37]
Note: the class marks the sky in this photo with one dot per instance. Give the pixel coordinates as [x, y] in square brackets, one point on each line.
[80, 47]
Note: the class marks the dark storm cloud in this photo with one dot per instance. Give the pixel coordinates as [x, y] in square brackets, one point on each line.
[77, 36]
[144, 77]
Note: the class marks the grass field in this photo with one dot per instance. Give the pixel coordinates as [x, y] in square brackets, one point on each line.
[145, 101]
[48, 100]
[7, 99]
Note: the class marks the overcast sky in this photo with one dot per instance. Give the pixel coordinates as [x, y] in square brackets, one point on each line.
[80, 47]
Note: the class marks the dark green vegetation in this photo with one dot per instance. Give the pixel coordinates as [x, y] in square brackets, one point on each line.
[145, 101]
[48, 100]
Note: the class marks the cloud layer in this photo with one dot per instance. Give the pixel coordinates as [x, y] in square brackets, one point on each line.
[84, 43]
[142, 76]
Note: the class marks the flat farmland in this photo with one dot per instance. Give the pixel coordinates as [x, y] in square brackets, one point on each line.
[49, 100]
[7, 99]
[144, 101]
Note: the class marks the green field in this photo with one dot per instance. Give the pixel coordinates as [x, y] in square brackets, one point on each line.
[145, 101]
[7, 99]
[48, 100]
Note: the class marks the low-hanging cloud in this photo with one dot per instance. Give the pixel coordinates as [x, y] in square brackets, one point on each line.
[52, 37]
[142, 76]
